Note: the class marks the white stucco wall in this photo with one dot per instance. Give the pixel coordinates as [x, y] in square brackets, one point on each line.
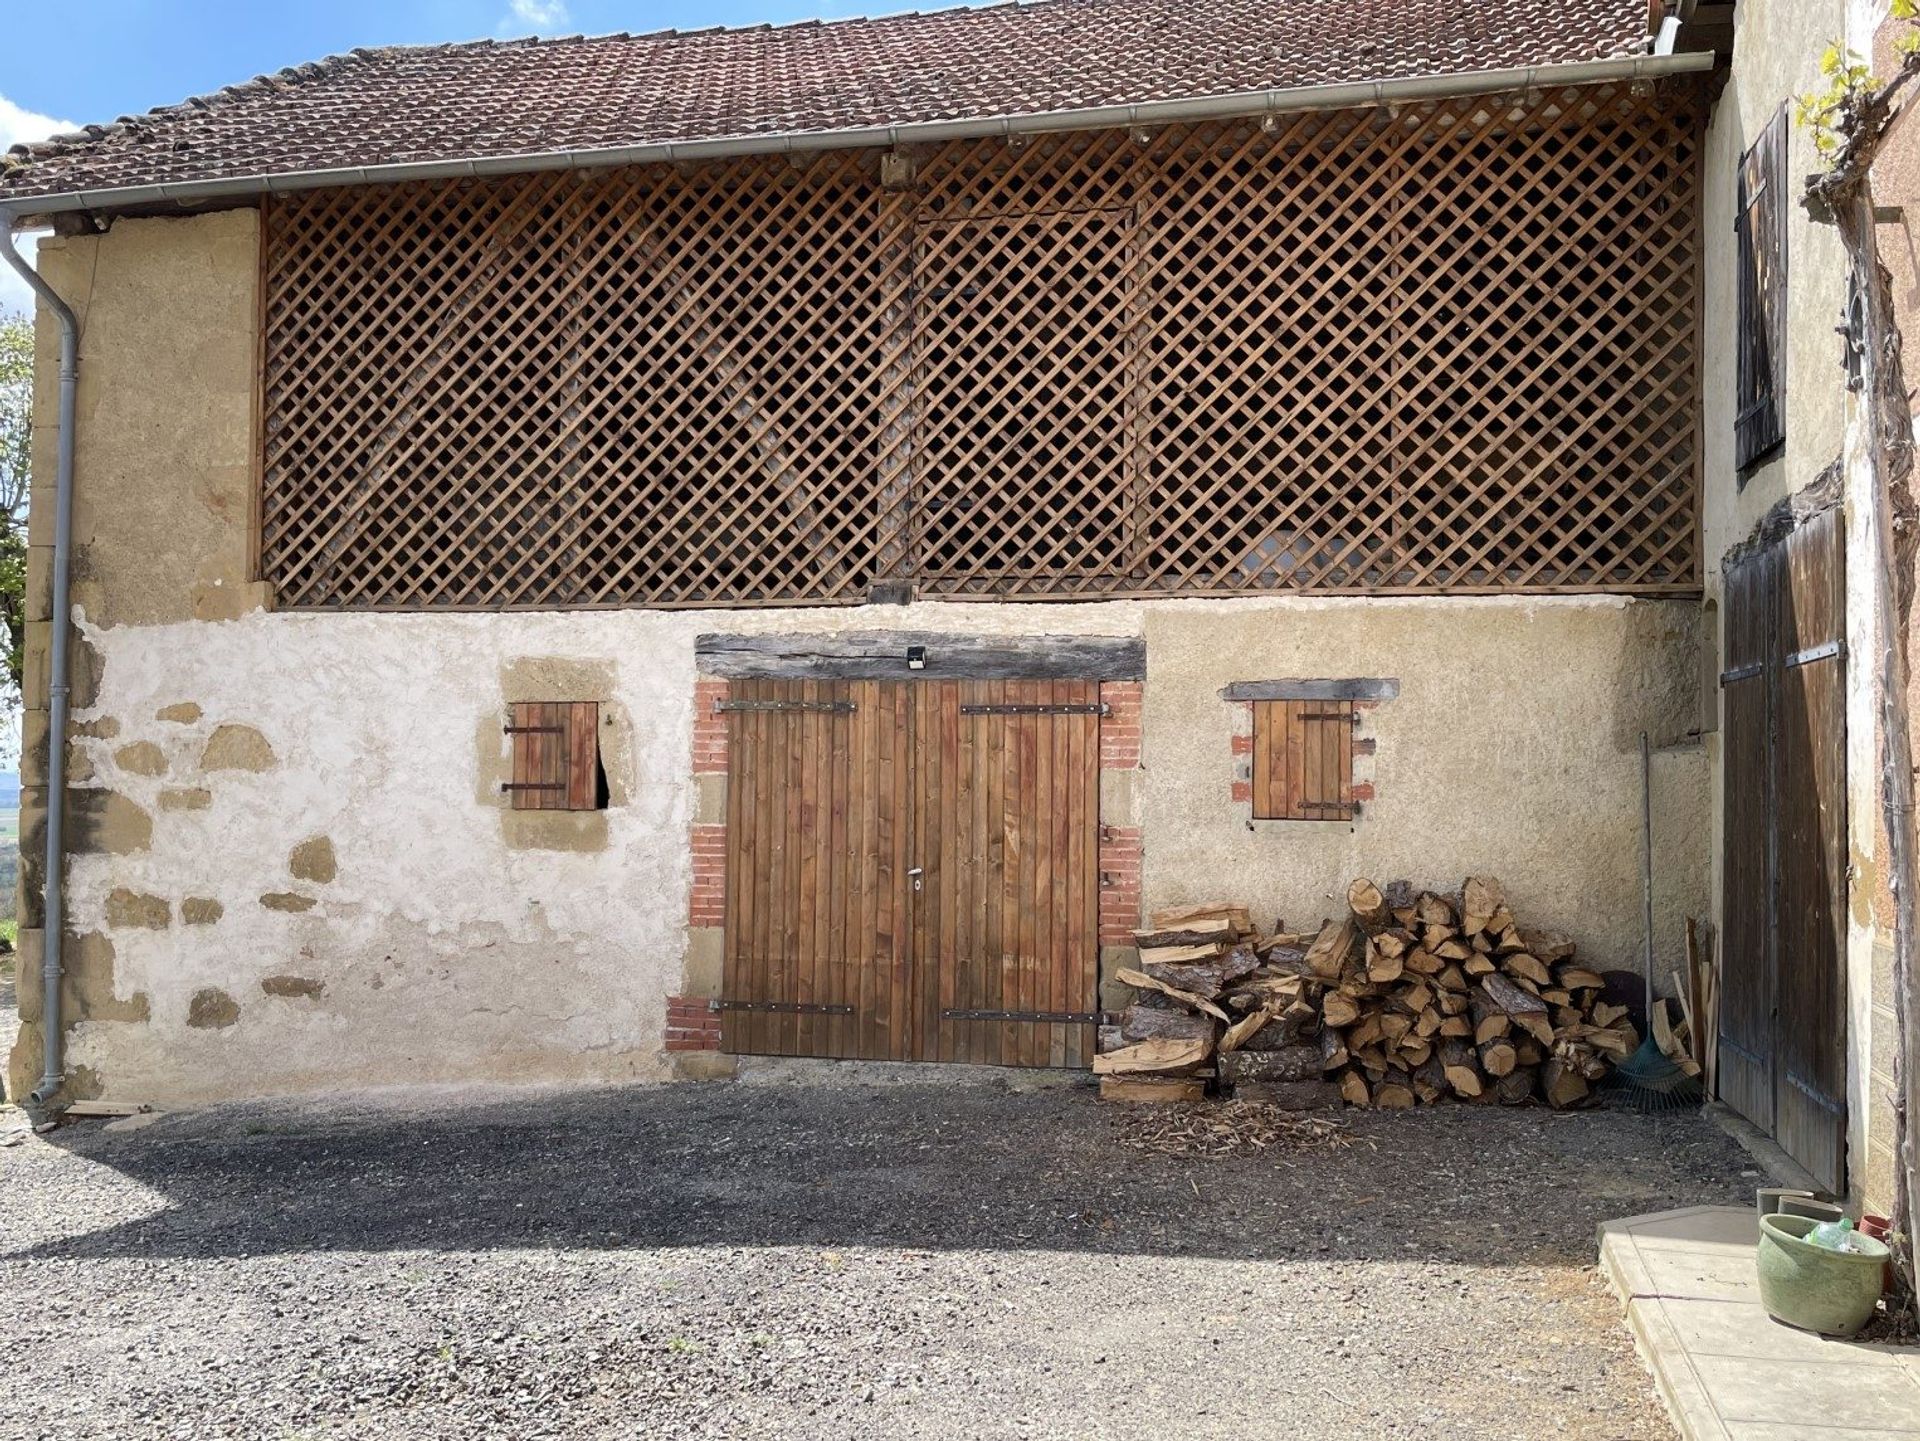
[444, 952]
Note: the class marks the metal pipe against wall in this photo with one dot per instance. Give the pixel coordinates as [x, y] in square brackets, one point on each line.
[52, 922]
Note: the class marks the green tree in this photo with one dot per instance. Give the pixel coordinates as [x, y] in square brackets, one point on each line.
[16, 433]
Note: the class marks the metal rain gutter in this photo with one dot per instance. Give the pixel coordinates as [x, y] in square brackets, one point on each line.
[52, 923]
[1240, 103]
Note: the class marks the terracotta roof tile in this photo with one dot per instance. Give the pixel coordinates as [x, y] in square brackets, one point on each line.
[485, 99]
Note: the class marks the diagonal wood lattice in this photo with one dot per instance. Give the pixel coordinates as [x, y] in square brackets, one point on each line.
[1447, 348]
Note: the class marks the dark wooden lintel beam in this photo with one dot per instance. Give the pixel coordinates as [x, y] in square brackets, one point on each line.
[884, 655]
[1361, 688]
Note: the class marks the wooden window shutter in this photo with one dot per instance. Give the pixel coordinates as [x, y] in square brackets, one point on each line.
[556, 756]
[1760, 423]
[1302, 760]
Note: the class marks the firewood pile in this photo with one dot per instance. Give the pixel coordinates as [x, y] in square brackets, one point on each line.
[1410, 998]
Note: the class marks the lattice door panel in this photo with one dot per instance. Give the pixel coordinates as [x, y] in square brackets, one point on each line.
[1023, 452]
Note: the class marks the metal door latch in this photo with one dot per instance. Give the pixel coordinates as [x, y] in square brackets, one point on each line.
[915, 873]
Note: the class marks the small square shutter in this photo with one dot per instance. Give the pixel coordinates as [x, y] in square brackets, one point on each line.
[556, 755]
[1761, 225]
[1302, 760]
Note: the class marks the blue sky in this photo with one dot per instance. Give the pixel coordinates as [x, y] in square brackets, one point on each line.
[95, 61]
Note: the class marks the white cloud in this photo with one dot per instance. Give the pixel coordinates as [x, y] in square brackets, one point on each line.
[540, 16]
[16, 127]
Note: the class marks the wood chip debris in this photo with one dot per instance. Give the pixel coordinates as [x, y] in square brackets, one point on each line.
[1232, 1128]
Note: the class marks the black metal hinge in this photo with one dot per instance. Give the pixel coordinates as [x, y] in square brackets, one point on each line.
[1742, 672]
[1070, 1018]
[514, 730]
[783, 1007]
[533, 785]
[1092, 708]
[822, 707]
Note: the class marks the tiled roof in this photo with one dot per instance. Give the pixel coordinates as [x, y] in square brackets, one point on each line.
[490, 99]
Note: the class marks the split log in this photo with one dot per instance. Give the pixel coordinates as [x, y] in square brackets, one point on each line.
[1530, 967]
[1140, 980]
[1166, 1055]
[1242, 1030]
[1383, 969]
[1394, 1093]
[1186, 917]
[1217, 931]
[1549, 946]
[1457, 1064]
[1369, 907]
[1515, 1088]
[1152, 1089]
[1353, 1086]
[1333, 1050]
[1334, 949]
[1109, 1038]
[1480, 897]
[1178, 955]
[1339, 1010]
[1561, 1084]
[1510, 998]
[1434, 910]
[1498, 1058]
[1204, 977]
[1289, 1028]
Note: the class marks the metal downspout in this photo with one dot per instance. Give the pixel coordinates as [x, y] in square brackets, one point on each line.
[52, 923]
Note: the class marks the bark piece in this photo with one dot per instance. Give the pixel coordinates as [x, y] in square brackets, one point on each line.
[1292, 1063]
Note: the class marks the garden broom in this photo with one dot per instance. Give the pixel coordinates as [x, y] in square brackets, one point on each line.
[1648, 1080]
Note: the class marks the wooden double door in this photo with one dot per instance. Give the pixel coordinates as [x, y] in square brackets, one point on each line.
[913, 870]
[1783, 1013]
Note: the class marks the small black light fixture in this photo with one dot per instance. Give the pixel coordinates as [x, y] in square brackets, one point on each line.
[916, 657]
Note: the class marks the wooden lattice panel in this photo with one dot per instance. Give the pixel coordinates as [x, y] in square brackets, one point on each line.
[1448, 348]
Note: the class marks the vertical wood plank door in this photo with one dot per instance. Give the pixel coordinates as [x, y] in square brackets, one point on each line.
[1783, 1028]
[1810, 1105]
[1747, 921]
[1006, 922]
[816, 960]
[912, 870]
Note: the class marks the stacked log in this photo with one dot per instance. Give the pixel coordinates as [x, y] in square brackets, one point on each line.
[1411, 998]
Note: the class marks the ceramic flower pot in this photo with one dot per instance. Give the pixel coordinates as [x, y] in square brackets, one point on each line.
[1809, 1286]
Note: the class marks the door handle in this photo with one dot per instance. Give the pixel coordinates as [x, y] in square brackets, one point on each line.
[915, 873]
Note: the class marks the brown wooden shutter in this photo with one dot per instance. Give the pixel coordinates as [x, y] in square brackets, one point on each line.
[1760, 423]
[1302, 760]
[556, 756]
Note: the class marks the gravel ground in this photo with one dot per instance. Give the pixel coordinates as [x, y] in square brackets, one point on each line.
[834, 1261]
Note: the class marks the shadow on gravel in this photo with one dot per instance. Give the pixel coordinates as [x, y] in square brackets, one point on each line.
[919, 1167]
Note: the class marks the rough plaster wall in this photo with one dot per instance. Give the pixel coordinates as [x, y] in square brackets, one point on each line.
[1513, 748]
[443, 951]
[446, 947]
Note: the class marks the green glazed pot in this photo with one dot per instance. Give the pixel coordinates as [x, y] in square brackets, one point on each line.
[1804, 1285]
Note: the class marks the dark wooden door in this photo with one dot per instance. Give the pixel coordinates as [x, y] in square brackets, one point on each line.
[912, 870]
[1782, 1010]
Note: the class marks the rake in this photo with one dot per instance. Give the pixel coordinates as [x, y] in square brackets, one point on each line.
[1649, 1081]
